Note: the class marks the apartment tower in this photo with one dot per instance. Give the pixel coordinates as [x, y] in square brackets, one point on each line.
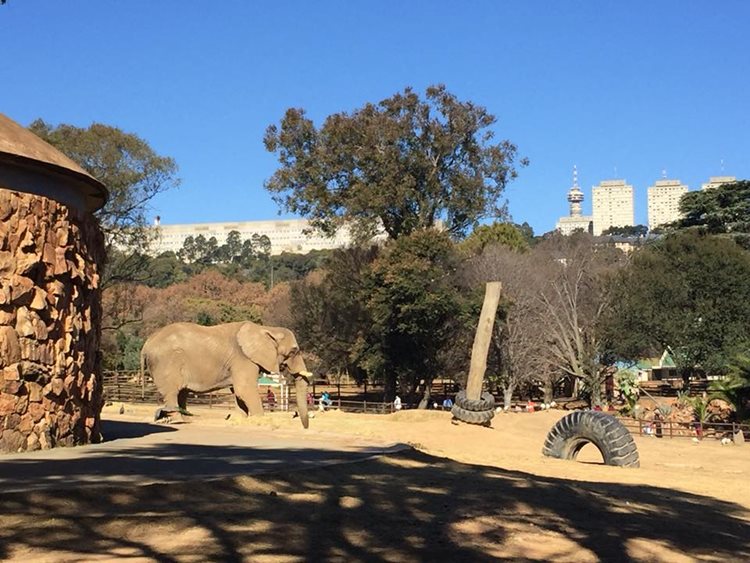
[613, 205]
[664, 202]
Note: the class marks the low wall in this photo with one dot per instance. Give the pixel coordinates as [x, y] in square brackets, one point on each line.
[50, 311]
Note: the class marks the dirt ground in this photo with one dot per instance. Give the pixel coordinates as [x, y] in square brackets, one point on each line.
[460, 493]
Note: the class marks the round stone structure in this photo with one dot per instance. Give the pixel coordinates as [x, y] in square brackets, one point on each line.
[51, 252]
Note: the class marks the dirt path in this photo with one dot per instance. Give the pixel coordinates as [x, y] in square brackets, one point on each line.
[469, 494]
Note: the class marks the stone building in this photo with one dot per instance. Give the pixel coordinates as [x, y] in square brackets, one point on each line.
[51, 252]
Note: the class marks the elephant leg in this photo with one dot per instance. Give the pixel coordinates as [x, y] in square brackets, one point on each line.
[247, 392]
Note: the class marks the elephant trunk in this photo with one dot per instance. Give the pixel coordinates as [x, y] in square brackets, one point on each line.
[300, 386]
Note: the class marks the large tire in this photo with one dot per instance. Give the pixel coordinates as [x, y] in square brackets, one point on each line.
[472, 417]
[486, 403]
[575, 430]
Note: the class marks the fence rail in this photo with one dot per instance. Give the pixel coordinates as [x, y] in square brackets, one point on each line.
[127, 387]
[672, 429]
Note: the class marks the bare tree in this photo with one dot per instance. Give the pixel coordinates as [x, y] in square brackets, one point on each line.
[518, 346]
[574, 298]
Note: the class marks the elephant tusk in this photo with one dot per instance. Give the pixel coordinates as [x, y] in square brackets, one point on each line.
[305, 374]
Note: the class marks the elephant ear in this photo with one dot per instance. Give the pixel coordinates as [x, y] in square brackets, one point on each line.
[259, 346]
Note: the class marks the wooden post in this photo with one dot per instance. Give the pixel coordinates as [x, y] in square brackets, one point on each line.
[482, 340]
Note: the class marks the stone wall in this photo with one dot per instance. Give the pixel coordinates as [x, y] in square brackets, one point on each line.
[50, 311]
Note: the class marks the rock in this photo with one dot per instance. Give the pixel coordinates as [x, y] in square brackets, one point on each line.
[739, 438]
[10, 349]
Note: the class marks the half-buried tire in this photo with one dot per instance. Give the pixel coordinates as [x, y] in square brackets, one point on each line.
[579, 428]
[472, 417]
[486, 403]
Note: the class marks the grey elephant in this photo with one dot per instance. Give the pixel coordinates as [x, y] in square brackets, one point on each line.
[184, 357]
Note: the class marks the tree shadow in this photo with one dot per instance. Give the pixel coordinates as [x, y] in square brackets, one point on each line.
[122, 429]
[406, 506]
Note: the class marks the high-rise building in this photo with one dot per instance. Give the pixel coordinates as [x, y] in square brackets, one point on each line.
[664, 202]
[716, 181]
[613, 205]
[575, 221]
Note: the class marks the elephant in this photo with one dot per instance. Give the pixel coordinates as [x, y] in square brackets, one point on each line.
[184, 357]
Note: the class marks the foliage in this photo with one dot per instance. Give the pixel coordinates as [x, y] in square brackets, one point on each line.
[627, 231]
[505, 234]
[132, 172]
[400, 165]
[725, 209]
[517, 350]
[412, 300]
[686, 293]
[627, 381]
[329, 314]
[734, 388]
[700, 408]
[576, 298]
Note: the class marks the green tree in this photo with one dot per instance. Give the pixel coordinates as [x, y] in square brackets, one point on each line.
[725, 209]
[687, 293]
[233, 246]
[413, 297]
[504, 234]
[735, 387]
[132, 172]
[329, 312]
[400, 165]
[627, 231]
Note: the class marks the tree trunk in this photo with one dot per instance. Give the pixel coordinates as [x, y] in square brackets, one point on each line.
[425, 401]
[549, 391]
[596, 393]
[507, 396]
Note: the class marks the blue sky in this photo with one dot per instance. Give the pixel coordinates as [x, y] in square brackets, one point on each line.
[636, 87]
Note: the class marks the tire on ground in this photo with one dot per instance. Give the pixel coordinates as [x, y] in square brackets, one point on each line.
[472, 417]
[486, 403]
[575, 430]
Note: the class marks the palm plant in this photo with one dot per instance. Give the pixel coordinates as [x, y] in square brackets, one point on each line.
[735, 387]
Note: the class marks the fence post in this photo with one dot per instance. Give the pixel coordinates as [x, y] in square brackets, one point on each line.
[365, 405]
[640, 427]
[670, 428]
[210, 400]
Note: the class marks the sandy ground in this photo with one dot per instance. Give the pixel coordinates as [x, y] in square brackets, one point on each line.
[460, 493]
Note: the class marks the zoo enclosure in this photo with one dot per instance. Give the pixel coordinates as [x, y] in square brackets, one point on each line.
[127, 386]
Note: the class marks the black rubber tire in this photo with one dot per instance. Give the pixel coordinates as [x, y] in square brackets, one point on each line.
[486, 403]
[575, 430]
[482, 418]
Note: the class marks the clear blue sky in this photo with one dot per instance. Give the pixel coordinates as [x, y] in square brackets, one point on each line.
[632, 86]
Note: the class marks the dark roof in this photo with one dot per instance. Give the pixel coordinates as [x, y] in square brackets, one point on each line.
[21, 149]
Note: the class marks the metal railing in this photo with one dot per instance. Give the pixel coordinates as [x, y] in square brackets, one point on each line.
[673, 429]
[127, 387]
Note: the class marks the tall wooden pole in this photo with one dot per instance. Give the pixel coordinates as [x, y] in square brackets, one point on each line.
[482, 340]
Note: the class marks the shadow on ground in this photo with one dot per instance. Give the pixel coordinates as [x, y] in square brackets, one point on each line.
[407, 506]
[120, 429]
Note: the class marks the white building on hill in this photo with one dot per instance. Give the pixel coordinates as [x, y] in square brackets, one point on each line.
[286, 235]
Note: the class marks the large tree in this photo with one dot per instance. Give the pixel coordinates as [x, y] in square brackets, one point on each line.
[132, 172]
[575, 298]
[687, 293]
[519, 343]
[401, 164]
[723, 210]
